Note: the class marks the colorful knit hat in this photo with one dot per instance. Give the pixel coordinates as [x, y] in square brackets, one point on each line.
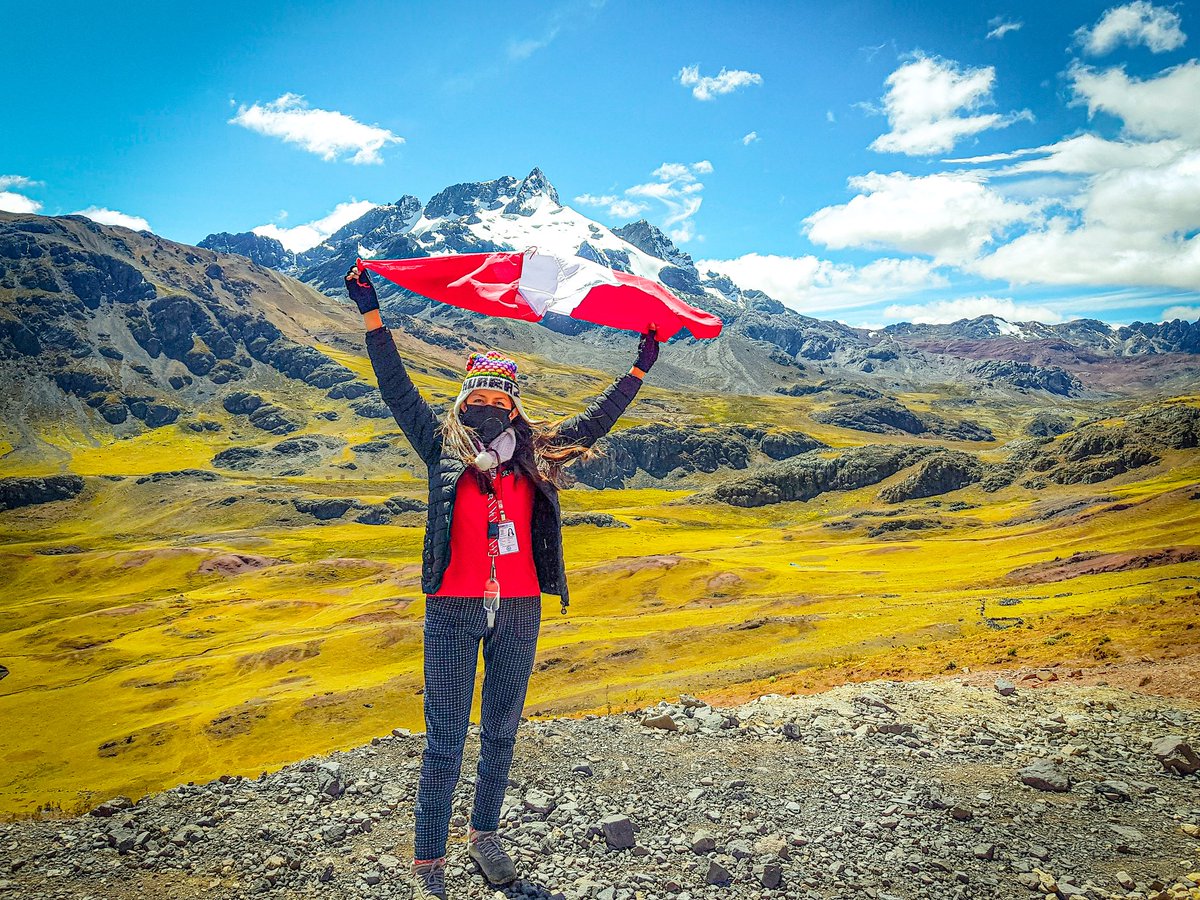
[492, 371]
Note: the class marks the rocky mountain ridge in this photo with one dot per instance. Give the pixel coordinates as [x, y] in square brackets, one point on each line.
[457, 220]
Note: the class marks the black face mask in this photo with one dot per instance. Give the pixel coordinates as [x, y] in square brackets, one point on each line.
[487, 420]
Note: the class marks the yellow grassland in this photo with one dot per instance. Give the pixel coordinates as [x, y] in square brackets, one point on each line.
[132, 671]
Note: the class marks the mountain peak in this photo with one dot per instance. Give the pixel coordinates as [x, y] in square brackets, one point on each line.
[534, 193]
[470, 197]
[650, 239]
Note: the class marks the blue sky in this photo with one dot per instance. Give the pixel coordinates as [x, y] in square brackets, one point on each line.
[858, 160]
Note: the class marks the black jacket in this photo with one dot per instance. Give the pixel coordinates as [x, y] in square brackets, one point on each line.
[419, 424]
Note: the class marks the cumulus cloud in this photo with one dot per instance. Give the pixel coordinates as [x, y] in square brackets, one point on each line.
[813, 285]
[706, 87]
[11, 201]
[749, 139]
[1134, 23]
[1094, 254]
[949, 216]
[299, 238]
[1134, 225]
[1133, 214]
[1187, 313]
[1000, 27]
[114, 217]
[1162, 200]
[941, 311]
[330, 135]
[1163, 106]
[923, 103]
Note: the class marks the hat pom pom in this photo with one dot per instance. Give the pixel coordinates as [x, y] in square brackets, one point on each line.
[486, 460]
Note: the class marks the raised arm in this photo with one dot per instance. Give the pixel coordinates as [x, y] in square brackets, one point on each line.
[598, 419]
[412, 413]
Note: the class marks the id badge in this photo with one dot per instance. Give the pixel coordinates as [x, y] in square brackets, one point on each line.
[507, 537]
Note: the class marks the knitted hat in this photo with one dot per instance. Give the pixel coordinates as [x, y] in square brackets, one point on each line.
[491, 371]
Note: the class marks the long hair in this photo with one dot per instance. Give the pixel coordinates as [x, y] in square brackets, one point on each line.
[540, 452]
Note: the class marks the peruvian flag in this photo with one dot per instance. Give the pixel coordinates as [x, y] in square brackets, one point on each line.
[533, 284]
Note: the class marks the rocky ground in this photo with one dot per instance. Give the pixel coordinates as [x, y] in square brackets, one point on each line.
[885, 790]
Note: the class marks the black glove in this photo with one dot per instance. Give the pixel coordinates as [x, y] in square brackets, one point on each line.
[647, 350]
[361, 291]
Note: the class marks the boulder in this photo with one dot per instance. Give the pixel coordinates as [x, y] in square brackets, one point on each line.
[1045, 776]
[1176, 755]
[618, 832]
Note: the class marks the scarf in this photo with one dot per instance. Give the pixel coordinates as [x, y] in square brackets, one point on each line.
[500, 450]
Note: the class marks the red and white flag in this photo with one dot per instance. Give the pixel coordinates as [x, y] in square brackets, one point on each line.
[533, 284]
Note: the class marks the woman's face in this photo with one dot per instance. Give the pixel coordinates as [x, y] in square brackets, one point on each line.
[486, 397]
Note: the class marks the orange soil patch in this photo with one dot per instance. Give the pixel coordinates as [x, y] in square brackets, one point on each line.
[236, 564]
[1078, 564]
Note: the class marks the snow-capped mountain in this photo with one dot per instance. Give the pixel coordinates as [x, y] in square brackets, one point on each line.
[513, 214]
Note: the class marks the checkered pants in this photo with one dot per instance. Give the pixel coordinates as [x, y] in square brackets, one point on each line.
[454, 627]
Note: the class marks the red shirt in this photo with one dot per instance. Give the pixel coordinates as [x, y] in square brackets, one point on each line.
[470, 564]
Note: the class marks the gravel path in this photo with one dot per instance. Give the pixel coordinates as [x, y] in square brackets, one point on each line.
[886, 790]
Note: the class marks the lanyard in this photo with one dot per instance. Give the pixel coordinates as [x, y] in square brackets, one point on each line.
[495, 509]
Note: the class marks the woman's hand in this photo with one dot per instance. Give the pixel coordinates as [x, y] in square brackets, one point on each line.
[647, 350]
[362, 292]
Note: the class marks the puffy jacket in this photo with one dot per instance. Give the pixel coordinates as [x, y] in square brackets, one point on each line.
[419, 424]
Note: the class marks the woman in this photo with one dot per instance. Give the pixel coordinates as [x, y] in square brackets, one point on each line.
[493, 545]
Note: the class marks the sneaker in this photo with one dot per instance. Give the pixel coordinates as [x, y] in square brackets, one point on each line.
[484, 847]
[429, 879]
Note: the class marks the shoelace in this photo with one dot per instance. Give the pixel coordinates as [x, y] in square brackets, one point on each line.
[434, 878]
[488, 843]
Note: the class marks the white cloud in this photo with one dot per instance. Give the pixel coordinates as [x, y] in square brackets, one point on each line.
[626, 209]
[749, 139]
[1161, 200]
[829, 116]
[1163, 106]
[940, 311]
[113, 217]
[678, 190]
[1134, 23]
[618, 207]
[17, 181]
[947, 216]
[1000, 27]
[304, 237]
[1134, 225]
[526, 47]
[12, 202]
[675, 186]
[705, 87]
[326, 133]
[1094, 254]
[1187, 313]
[923, 101]
[812, 285]
[1084, 154]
